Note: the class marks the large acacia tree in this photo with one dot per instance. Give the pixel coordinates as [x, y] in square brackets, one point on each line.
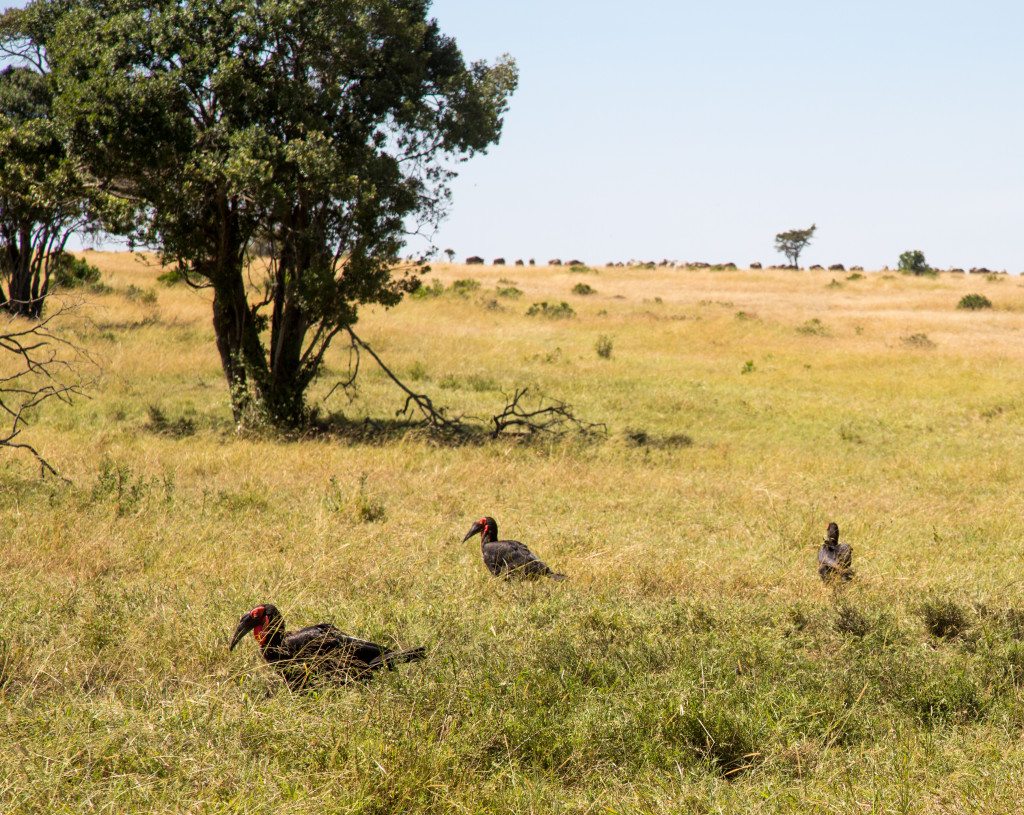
[322, 130]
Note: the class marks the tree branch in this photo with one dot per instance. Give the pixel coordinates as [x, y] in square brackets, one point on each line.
[42, 366]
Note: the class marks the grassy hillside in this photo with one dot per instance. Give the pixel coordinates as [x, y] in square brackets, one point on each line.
[693, 662]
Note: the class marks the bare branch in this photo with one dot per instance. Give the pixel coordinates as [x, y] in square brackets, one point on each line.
[555, 418]
[39, 366]
[434, 417]
[551, 418]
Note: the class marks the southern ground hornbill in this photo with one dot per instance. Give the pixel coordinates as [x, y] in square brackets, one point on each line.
[835, 559]
[507, 558]
[317, 652]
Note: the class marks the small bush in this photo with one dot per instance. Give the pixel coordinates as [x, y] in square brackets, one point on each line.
[944, 618]
[465, 287]
[855, 276]
[161, 425]
[418, 371]
[421, 292]
[579, 268]
[603, 346]
[583, 289]
[834, 284]
[745, 315]
[813, 327]
[561, 311]
[171, 277]
[974, 302]
[918, 341]
[363, 507]
[69, 272]
[748, 367]
[851, 621]
[136, 294]
[509, 291]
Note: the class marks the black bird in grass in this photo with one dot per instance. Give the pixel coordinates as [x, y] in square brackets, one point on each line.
[835, 559]
[317, 652]
[507, 558]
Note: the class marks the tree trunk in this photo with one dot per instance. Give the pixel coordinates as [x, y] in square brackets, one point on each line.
[238, 341]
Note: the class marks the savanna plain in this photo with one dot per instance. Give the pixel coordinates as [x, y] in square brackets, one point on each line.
[692, 662]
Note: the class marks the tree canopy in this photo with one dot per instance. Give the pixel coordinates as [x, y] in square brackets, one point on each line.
[793, 242]
[323, 131]
[42, 199]
[913, 262]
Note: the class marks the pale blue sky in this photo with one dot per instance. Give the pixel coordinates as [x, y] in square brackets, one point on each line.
[697, 130]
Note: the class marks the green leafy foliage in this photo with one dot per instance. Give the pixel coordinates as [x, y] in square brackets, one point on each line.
[974, 302]
[43, 198]
[553, 311]
[583, 289]
[913, 262]
[792, 242]
[465, 286]
[70, 272]
[316, 130]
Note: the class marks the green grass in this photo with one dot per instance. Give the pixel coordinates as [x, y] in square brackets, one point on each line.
[692, 662]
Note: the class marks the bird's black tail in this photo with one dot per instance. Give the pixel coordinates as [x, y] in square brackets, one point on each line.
[393, 658]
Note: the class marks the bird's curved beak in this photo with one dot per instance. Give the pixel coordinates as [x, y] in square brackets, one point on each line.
[245, 625]
[474, 530]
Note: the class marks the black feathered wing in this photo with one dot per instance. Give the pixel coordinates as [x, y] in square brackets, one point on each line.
[512, 558]
[835, 561]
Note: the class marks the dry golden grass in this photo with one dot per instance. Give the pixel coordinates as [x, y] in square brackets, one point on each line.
[693, 661]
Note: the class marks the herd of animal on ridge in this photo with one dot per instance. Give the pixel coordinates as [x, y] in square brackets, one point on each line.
[322, 651]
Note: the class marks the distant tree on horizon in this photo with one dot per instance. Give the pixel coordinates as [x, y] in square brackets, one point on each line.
[913, 262]
[793, 242]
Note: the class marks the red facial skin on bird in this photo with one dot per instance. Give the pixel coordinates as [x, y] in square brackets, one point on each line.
[257, 631]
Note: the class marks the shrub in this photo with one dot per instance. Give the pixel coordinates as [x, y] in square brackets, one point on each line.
[465, 287]
[136, 294]
[748, 367]
[365, 507]
[834, 284]
[603, 346]
[418, 371]
[509, 291]
[913, 262]
[851, 621]
[944, 618]
[70, 272]
[918, 341]
[171, 277]
[974, 302]
[160, 424]
[813, 327]
[583, 289]
[579, 268]
[435, 289]
[561, 311]
[855, 276]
